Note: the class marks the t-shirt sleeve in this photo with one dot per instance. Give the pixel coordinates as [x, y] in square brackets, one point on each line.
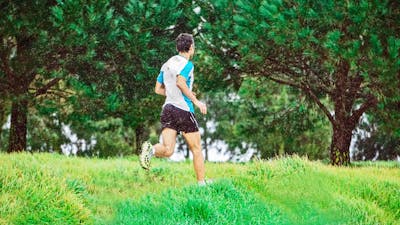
[186, 70]
[160, 78]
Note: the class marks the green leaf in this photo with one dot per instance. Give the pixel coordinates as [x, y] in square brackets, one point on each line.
[58, 14]
[332, 41]
[393, 47]
[376, 44]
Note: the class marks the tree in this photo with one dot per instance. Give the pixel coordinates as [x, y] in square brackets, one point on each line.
[132, 53]
[344, 50]
[269, 118]
[112, 48]
[33, 56]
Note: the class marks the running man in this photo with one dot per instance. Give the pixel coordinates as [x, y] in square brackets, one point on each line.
[175, 81]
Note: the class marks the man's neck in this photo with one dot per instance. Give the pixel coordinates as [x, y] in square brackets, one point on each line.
[186, 55]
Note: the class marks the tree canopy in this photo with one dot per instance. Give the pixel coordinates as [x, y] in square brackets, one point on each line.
[93, 65]
[344, 50]
[100, 57]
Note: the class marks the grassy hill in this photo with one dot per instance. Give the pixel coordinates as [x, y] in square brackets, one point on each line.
[54, 189]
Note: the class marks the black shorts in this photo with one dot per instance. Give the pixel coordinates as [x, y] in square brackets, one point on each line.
[178, 119]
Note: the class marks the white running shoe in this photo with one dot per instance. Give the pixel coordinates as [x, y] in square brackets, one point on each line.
[146, 155]
[204, 182]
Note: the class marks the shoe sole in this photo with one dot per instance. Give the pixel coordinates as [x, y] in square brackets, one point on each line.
[144, 156]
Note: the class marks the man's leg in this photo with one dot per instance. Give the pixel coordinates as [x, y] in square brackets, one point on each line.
[193, 140]
[167, 147]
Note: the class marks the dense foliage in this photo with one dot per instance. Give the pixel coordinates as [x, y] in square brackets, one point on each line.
[84, 61]
[346, 51]
[270, 118]
[91, 67]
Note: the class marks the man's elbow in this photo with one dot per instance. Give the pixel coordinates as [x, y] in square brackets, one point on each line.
[158, 91]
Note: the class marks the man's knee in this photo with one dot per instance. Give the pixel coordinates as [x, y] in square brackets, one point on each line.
[169, 151]
[196, 149]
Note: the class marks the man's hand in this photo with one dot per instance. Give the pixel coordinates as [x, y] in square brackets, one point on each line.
[181, 83]
[202, 106]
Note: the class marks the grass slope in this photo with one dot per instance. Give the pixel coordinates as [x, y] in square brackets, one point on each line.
[54, 189]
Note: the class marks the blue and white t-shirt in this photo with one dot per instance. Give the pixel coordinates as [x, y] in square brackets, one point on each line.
[177, 65]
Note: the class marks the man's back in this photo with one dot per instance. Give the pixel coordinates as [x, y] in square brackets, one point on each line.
[177, 65]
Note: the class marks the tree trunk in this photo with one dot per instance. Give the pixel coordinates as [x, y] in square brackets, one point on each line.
[2, 120]
[343, 125]
[205, 137]
[187, 154]
[140, 135]
[138, 139]
[18, 130]
[340, 145]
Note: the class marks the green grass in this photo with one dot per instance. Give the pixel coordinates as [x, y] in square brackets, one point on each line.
[54, 189]
[220, 203]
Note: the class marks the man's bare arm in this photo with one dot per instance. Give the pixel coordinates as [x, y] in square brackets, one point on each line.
[181, 83]
[159, 88]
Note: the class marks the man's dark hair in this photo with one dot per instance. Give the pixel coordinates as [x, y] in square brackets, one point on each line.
[183, 42]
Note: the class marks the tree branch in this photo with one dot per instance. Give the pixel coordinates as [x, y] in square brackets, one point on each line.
[353, 87]
[285, 82]
[324, 83]
[372, 101]
[45, 88]
[61, 93]
[308, 90]
[306, 71]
